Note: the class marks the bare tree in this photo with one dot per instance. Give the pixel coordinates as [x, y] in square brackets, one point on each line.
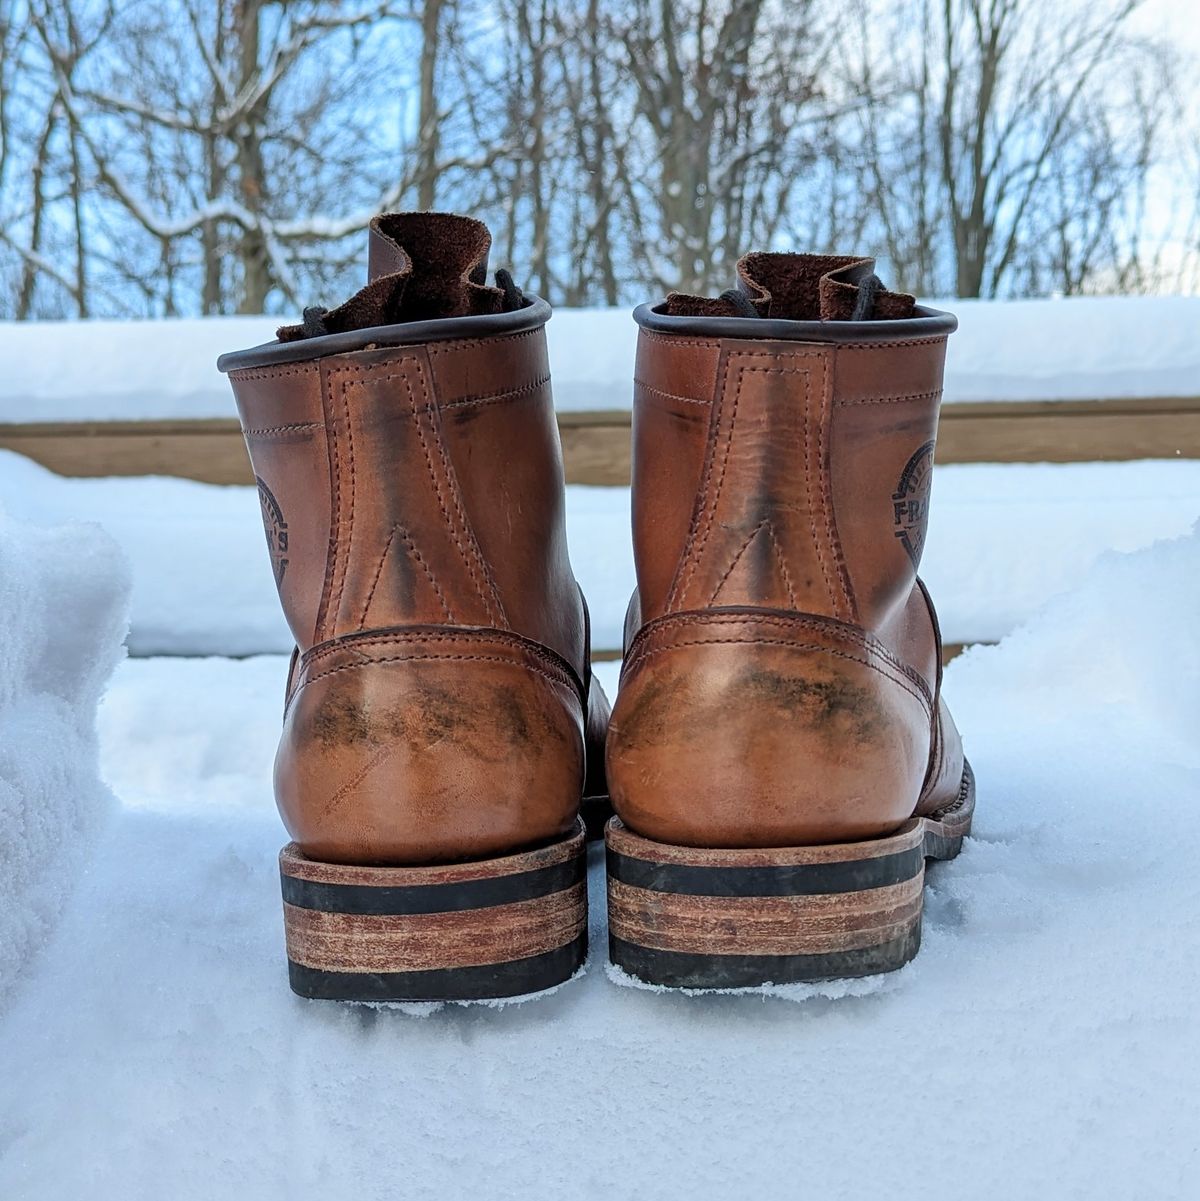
[222, 155]
[986, 127]
[428, 115]
[236, 136]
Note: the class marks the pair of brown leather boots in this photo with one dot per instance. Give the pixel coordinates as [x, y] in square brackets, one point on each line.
[780, 761]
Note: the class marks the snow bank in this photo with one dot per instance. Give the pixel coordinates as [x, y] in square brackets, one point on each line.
[1006, 538]
[201, 581]
[63, 613]
[1083, 348]
[1039, 1047]
[1088, 348]
[1003, 540]
[121, 370]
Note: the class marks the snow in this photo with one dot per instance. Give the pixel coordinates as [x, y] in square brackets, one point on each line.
[121, 370]
[1083, 348]
[1044, 1043]
[63, 596]
[1005, 538]
[1002, 541]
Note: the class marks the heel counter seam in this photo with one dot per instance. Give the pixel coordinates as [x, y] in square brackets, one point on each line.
[418, 657]
[553, 663]
[832, 628]
[900, 681]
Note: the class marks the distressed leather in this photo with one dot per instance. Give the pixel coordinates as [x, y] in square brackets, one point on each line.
[441, 704]
[782, 677]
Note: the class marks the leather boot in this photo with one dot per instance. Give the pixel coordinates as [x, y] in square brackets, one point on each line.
[780, 758]
[441, 721]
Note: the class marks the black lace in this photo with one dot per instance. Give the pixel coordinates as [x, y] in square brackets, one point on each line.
[514, 298]
[741, 302]
[868, 291]
[314, 322]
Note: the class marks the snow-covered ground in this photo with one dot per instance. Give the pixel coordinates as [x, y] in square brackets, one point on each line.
[1084, 348]
[64, 593]
[1002, 540]
[1043, 1045]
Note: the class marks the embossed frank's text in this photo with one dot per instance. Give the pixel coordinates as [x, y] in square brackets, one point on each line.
[276, 529]
[910, 501]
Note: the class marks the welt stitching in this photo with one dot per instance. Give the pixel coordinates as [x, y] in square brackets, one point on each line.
[889, 400]
[553, 679]
[270, 431]
[900, 682]
[689, 400]
[514, 641]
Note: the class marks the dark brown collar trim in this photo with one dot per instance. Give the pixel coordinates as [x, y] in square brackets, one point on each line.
[534, 315]
[927, 323]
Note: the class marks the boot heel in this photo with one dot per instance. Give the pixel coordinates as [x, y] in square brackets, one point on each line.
[464, 931]
[687, 917]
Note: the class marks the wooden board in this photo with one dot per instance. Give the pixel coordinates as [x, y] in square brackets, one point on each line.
[596, 445]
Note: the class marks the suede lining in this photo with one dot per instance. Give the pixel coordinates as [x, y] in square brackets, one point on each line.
[798, 287]
[422, 267]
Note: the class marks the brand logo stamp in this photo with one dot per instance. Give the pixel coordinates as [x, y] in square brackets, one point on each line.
[276, 529]
[910, 502]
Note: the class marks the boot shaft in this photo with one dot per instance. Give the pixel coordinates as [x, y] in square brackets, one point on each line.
[412, 475]
[783, 464]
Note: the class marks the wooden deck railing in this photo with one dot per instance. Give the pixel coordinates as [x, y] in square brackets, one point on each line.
[596, 445]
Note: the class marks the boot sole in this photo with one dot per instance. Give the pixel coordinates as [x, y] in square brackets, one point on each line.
[688, 917]
[481, 930]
